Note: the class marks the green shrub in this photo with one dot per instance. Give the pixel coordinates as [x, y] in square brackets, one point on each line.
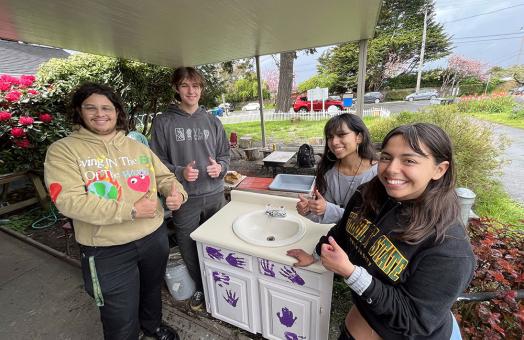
[493, 104]
[476, 149]
[399, 94]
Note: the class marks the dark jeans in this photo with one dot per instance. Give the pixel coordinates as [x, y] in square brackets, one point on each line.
[187, 219]
[125, 281]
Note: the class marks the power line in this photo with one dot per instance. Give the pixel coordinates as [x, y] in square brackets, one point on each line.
[481, 40]
[490, 35]
[480, 14]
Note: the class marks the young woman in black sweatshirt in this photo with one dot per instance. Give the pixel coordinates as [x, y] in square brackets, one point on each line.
[400, 244]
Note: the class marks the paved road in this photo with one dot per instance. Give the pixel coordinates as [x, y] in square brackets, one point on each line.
[513, 173]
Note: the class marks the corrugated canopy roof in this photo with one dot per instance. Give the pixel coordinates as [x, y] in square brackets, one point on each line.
[187, 32]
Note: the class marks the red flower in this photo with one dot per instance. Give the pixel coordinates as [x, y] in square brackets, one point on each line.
[17, 132]
[4, 115]
[25, 120]
[9, 79]
[13, 96]
[46, 117]
[23, 143]
[33, 92]
[26, 81]
[5, 86]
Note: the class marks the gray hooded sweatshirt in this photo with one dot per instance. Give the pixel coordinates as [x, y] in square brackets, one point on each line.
[178, 138]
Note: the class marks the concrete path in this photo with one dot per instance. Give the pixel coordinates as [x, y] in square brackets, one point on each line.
[42, 298]
[513, 171]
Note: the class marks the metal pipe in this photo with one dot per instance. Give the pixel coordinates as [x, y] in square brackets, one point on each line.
[361, 82]
[261, 102]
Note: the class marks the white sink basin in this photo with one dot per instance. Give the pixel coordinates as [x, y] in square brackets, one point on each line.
[259, 229]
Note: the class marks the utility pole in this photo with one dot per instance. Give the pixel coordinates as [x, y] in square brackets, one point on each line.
[422, 48]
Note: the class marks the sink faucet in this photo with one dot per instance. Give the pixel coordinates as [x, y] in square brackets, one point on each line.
[275, 212]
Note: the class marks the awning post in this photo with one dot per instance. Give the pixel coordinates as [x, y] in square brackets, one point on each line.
[361, 80]
[261, 102]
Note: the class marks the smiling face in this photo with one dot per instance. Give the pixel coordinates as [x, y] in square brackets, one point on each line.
[343, 141]
[99, 115]
[405, 173]
[189, 91]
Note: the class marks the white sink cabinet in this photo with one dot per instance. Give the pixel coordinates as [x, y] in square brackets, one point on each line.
[257, 288]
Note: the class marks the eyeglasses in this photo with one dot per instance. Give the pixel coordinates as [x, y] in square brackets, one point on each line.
[92, 109]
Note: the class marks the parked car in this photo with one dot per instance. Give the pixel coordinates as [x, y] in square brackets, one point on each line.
[422, 95]
[331, 104]
[373, 97]
[251, 106]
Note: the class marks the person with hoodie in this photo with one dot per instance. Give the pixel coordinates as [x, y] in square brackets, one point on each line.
[107, 184]
[194, 146]
[401, 246]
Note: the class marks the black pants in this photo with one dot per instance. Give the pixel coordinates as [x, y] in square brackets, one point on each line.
[187, 219]
[125, 281]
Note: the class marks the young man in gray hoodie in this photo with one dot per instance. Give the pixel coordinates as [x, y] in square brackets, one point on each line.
[194, 146]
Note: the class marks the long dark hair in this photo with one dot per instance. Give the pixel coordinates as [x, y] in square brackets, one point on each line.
[85, 90]
[365, 149]
[191, 73]
[437, 208]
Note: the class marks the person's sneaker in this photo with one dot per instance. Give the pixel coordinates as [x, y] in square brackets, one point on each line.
[163, 332]
[197, 301]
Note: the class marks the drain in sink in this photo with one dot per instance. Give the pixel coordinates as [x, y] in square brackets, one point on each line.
[270, 238]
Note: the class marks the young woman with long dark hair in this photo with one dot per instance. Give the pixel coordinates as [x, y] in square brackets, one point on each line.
[401, 246]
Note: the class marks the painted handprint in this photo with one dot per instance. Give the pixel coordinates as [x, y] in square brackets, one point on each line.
[231, 298]
[221, 279]
[293, 336]
[287, 317]
[292, 275]
[267, 267]
[235, 261]
[214, 253]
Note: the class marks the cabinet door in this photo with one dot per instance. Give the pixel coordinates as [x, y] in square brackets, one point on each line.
[232, 296]
[287, 313]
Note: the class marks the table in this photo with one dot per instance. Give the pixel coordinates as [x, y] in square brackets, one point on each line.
[277, 159]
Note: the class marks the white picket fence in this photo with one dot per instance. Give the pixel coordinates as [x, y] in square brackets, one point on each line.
[253, 116]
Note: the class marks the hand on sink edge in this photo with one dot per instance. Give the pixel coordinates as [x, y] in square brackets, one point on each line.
[304, 259]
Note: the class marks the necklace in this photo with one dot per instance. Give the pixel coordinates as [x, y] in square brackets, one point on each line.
[350, 184]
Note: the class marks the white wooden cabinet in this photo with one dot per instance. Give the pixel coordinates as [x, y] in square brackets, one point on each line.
[263, 296]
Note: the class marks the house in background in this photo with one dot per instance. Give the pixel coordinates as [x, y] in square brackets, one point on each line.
[18, 58]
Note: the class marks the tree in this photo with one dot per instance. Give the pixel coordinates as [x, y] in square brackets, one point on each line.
[319, 80]
[460, 68]
[394, 49]
[246, 89]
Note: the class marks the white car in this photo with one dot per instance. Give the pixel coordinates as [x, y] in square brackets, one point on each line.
[251, 107]
[226, 106]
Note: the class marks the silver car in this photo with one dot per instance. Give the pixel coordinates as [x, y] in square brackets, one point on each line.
[421, 95]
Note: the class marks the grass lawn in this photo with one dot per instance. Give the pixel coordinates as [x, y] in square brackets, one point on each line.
[500, 118]
[285, 131]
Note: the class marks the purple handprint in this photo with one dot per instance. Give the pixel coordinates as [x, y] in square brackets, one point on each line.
[292, 275]
[267, 267]
[220, 278]
[287, 317]
[235, 261]
[214, 253]
[232, 298]
[293, 336]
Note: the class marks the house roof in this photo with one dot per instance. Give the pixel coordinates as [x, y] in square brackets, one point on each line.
[188, 32]
[20, 58]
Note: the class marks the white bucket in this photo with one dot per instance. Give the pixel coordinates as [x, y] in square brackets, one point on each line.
[179, 282]
[466, 200]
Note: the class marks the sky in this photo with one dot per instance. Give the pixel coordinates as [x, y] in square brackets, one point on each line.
[485, 30]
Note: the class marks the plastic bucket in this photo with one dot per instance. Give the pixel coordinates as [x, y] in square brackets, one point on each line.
[179, 282]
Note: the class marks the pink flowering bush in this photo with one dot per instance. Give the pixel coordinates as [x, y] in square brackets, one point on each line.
[30, 120]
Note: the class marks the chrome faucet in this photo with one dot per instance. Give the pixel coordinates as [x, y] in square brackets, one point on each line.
[275, 212]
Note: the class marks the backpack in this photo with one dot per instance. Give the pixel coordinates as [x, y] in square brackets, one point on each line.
[306, 156]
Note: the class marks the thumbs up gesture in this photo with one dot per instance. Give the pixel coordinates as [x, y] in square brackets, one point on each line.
[213, 169]
[190, 173]
[302, 205]
[335, 259]
[146, 206]
[318, 205]
[175, 199]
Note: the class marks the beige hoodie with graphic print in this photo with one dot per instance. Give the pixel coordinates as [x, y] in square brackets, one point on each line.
[96, 183]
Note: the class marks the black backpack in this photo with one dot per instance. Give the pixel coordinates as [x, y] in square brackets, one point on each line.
[306, 156]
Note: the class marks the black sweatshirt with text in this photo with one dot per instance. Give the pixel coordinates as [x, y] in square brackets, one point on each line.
[413, 286]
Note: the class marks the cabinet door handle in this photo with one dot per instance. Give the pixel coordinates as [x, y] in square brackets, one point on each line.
[320, 310]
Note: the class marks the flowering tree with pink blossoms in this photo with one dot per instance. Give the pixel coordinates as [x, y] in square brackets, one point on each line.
[29, 123]
[460, 68]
